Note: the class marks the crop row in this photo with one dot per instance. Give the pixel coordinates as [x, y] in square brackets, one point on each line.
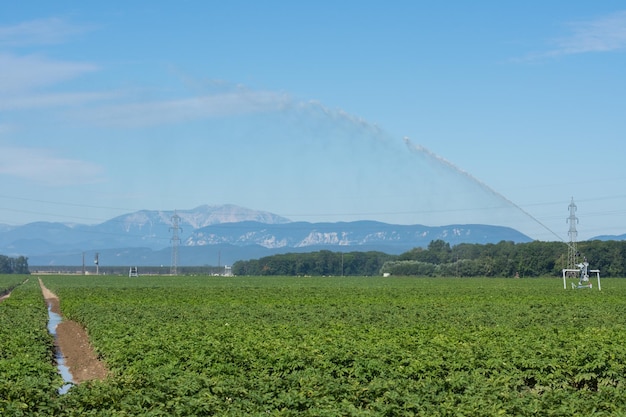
[8, 282]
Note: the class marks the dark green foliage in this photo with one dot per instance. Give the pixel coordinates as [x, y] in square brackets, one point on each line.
[504, 259]
[322, 263]
[10, 265]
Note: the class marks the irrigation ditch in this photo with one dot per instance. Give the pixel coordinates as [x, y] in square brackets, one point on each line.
[76, 359]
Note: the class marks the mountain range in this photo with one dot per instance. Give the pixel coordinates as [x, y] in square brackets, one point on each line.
[221, 235]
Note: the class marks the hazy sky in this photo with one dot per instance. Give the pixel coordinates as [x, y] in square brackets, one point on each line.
[408, 112]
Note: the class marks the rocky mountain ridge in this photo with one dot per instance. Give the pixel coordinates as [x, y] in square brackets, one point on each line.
[224, 232]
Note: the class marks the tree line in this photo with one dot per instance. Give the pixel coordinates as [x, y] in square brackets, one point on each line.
[322, 263]
[10, 265]
[439, 259]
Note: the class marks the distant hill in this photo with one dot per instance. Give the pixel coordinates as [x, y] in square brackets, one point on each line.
[609, 237]
[224, 234]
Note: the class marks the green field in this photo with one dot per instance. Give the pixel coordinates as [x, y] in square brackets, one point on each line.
[321, 347]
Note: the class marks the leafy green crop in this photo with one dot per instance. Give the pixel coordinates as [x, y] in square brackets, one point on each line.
[8, 282]
[348, 346]
[28, 376]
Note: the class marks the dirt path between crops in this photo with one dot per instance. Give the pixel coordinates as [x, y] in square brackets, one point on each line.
[72, 339]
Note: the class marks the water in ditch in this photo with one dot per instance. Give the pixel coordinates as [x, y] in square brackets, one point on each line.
[53, 321]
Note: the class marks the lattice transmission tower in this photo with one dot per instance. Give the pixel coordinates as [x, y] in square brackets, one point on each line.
[572, 253]
[175, 242]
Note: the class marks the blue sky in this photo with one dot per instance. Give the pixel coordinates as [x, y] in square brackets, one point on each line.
[408, 112]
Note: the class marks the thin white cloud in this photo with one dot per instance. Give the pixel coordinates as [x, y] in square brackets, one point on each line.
[23, 73]
[35, 101]
[163, 112]
[600, 35]
[44, 166]
[604, 34]
[21, 76]
[38, 32]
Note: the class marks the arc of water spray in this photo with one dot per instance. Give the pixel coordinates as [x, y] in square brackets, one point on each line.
[340, 115]
[376, 131]
[419, 148]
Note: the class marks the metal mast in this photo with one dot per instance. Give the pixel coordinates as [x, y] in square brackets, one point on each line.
[175, 241]
[573, 234]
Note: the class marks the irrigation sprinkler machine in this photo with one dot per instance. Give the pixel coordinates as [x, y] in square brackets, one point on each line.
[582, 272]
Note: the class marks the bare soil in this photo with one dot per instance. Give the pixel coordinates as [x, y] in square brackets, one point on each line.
[73, 341]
